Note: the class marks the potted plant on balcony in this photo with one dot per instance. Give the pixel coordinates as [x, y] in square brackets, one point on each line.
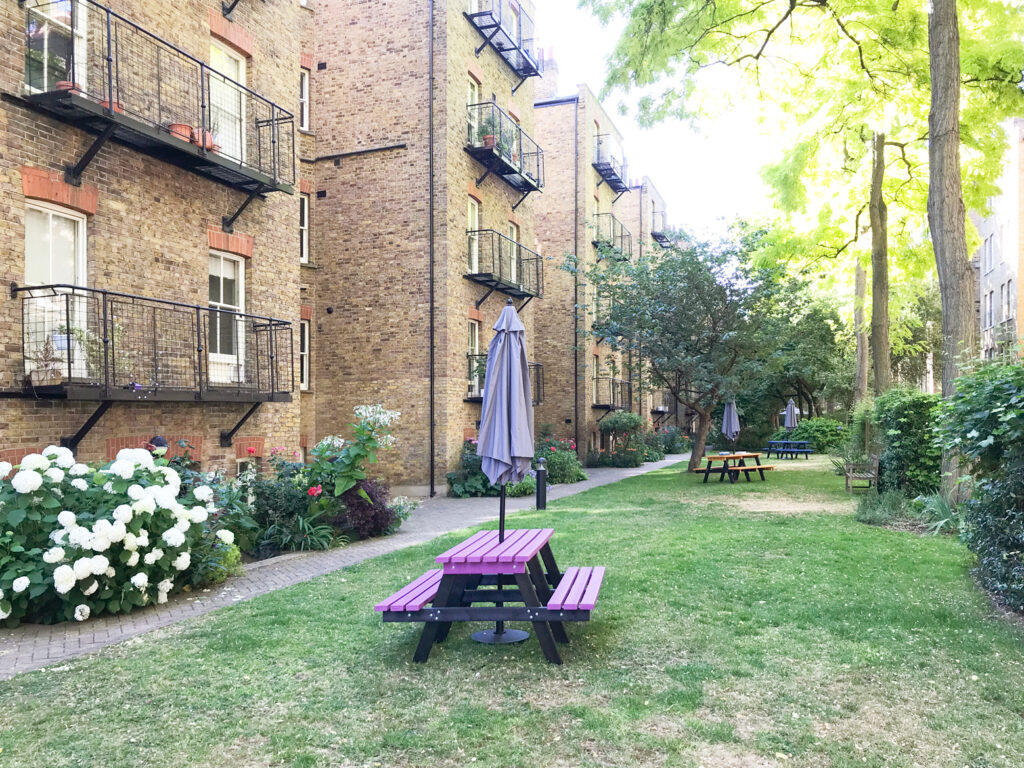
[70, 87]
[46, 365]
[486, 131]
[181, 131]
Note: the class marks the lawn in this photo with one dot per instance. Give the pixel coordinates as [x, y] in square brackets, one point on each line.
[739, 626]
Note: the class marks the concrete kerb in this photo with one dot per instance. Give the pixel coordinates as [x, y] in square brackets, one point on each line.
[34, 646]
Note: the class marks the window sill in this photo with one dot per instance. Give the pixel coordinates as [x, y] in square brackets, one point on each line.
[308, 265]
[306, 131]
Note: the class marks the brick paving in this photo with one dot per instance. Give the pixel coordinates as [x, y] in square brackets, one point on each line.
[33, 646]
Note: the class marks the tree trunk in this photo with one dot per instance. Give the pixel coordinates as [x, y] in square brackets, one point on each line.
[946, 212]
[879, 271]
[860, 384]
[700, 439]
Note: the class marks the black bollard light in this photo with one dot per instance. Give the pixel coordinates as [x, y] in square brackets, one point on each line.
[542, 484]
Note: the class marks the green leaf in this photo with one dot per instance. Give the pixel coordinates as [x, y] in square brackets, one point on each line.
[15, 516]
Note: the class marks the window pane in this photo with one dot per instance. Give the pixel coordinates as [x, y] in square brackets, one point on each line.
[214, 279]
[37, 247]
[228, 335]
[302, 210]
[229, 283]
[65, 248]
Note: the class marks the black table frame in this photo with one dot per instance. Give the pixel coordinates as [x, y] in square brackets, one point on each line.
[734, 470]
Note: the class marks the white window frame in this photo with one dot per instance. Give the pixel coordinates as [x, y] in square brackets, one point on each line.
[78, 45]
[473, 97]
[303, 99]
[304, 359]
[303, 228]
[235, 362]
[473, 240]
[230, 53]
[473, 344]
[513, 235]
[81, 225]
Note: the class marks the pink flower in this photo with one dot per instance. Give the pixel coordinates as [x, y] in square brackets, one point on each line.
[251, 450]
[316, 490]
[553, 448]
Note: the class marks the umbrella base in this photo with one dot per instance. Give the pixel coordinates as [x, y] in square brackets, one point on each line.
[490, 637]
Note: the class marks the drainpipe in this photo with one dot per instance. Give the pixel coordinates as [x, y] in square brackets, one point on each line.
[430, 227]
[576, 275]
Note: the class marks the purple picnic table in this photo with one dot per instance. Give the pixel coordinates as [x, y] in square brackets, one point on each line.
[547, 597]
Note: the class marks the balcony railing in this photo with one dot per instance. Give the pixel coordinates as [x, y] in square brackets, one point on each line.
[612, 394]
[91, 67]
[659, 230]
[503, 148]
[502, 264]
[610, 232]
[509, 30]
[87, 344]
[663, 405]
[610, 163]
[477, 372]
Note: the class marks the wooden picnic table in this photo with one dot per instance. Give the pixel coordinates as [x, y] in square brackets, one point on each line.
[546, 596]
[732, 464]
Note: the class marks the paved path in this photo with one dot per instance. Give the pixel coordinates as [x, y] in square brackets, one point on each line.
[32, 646]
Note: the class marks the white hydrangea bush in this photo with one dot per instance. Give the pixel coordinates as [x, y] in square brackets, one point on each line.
[78, 541]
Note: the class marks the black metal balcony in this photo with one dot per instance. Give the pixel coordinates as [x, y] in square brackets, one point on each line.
[612, 394]
[86, 344]
[477, 372]
[659, 230]
[497, 142]
[507, 28]
[93, 68]
[663, 406]
[503, 265]
[610, 164]
[609, 232]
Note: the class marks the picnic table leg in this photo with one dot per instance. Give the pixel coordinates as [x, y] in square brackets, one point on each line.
[724, 471]
[554, 575]
[543, 630]
[743, 463]
[540, 583]
[449, 594]
[707, 471]
[468, 582]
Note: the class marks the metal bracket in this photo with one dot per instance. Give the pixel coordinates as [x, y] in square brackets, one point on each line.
[516, 88]
[72, 441]
[228, 8]
[528, 300]
[489, 292]
[620, 195]
[73, 173]
[227, 223]
[227, 435]
[600, 182]
[497, 29]
[520, 200]
[481, 179]
[609, 410]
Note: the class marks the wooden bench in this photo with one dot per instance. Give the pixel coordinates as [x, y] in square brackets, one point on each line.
[413, 596]
[862, 472]
[762, 468]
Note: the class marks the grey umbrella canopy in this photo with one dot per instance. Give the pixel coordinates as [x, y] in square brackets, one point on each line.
[505, 444]
[730, 421]
[790, 422]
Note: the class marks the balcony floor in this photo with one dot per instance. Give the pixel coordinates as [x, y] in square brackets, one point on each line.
[611, 176]
[80, 391]
[130, 131]
[491, 159]
[661, 238]
[501, 285]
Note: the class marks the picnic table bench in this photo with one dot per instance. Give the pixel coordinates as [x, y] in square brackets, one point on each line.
[789, 449]
[539, 592]
[732, 464]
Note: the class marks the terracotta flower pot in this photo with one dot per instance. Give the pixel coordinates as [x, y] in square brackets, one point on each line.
[181, 131]
[67, 85]
[489, 141]
[117, 105]
[203, 139]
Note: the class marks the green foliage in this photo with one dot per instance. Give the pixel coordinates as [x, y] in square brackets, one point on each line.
[825, 435]
[525, 487]
[469, 480]
[301, 533]
[653, 446]
[984, 421]
[886, 508]
[620, 426]
[911, 459]
[560, 460]
[863, 440]
[625, 458]
[214, 561]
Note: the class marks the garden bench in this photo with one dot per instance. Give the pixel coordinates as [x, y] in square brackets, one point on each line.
[732, 464]
[533, 590]
[862, 472]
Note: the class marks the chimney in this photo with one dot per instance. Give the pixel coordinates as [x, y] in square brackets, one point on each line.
[547, 88]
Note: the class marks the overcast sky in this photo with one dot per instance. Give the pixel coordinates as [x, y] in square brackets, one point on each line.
[707, 178]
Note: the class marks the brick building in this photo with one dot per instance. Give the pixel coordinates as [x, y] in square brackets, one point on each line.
[586, 169]
[149, 165]
[422, 173]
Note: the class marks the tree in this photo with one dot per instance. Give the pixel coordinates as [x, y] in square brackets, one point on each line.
[695, 311]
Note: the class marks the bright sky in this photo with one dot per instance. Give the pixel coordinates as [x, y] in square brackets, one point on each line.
[707, 178]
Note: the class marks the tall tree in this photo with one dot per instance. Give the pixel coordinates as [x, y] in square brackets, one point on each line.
[880, 349]
[860, 384]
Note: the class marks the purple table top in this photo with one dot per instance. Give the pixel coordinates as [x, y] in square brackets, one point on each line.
[482, 553]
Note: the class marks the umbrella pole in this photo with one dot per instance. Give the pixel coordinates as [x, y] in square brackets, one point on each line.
[499, 627]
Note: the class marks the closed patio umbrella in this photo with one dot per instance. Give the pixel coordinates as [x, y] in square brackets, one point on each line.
[790, 421]
[730, 422]
[505, 445]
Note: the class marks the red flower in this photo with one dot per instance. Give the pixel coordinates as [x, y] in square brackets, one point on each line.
[316, 490]
[251, 450]
[553, 448]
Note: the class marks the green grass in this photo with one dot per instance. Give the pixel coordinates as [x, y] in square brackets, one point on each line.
[749, 625]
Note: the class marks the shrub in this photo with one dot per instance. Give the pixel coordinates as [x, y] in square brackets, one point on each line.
[367, 512]
[525, 487]
[560, 459]
[652, 446]
[469, 480]
[76, 541]
[985, 422]
[911, 458]
[884, 508]
[620, 426]
[673, 439]
[825, 435]
[625, 458]
[213, 561]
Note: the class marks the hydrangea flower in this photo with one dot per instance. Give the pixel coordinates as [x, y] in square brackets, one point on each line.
[117, 532]
[152, 556]
[5, 469]
[91, 588]
[123, 469]
[133, 560]
[198, 514]
[67, 518]
[27, 480]
[135, 492]
[137, 457]
[64, 579]
[81, 612]
[80, 484]
[20, 584]
[53, 555]
[165, 586]
[80, 536]
[83, 568]
[123, 514]
[54, 475]
[140, 580]
[203, 493]
[182, 561]
[145, 506]
[226, 536]
[35, 461]
[99, 565]
[77, 470]
[174, 537]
